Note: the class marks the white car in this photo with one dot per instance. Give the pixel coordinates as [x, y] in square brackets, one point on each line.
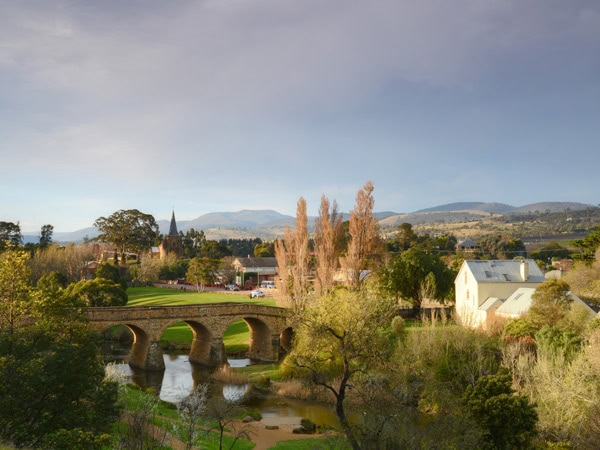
[231, 287]
[257, 293]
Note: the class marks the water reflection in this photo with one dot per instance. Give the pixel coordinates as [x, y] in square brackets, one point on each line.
[180, 377]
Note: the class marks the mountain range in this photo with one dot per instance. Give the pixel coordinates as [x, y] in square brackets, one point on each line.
[269, 224]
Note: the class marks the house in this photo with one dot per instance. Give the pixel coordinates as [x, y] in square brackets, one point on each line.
[521, 300]
[467, 245]
[482, 286]
[254, 270]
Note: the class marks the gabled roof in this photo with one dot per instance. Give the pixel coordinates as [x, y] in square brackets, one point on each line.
[503, 270]
[489, 303]
[517, 303]
[468, 243]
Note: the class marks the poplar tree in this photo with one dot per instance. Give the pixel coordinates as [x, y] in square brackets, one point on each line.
[328, 245]
[364, 237]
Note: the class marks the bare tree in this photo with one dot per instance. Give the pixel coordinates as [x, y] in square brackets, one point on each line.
[328, 232]
[364, 237]
[191, 409]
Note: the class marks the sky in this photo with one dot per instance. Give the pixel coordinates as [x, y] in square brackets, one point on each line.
[225, 105]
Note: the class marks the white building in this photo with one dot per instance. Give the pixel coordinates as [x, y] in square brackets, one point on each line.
[482, 287]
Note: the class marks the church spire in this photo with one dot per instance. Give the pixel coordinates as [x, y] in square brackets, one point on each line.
[173, 227]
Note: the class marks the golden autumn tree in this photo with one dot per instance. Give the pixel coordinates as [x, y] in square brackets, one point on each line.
[328, 245]
[293, 261]
[364, 242]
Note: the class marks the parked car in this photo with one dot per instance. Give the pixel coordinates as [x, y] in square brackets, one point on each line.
[257, 293]
[231, 287]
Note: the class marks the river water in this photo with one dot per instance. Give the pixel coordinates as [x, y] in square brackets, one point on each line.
[180, 377]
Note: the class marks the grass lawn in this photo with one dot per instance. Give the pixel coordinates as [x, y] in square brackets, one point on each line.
[237, 335]
[151, 296]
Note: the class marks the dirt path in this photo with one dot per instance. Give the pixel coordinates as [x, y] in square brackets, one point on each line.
[267, 438]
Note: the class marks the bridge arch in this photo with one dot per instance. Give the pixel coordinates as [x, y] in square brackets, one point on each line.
[268, 330]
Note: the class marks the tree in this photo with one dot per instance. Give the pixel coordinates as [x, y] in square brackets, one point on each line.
[10, 232]
[15, 291]
[71, 261]
[364, 242]
[202, 271]
[508, 420]
[46, 235]
[293, 260]
[339, 341]
[551, 304]
[192, 242]
[589, 244]
[264, 250]
[53, 393]
[191, 409]
[415, 275]
[128, 230]
[328, 245]
[98, 292]
[109, 271]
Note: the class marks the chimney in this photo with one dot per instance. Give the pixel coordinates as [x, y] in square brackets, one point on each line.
[524, 270]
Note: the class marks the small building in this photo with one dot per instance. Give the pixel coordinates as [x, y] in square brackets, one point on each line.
[467, 245]
[251, 271]
[481, 286]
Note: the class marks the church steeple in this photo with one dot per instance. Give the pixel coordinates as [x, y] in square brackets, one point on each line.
[173, 227]
[171, 242]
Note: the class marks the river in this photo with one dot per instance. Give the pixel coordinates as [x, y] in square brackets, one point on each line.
[180, 377]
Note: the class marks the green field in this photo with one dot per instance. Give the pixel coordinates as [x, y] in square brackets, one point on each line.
[237, 335]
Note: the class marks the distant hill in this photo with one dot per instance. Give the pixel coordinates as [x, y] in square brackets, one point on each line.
[269, 224]
[466, 206]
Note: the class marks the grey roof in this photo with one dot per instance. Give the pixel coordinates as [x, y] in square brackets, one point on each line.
[173, 227]
[258, 262]
[519, 302]
[503, 270]
[468, 242]
[489, 303]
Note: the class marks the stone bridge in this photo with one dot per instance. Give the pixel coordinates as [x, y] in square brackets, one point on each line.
[269, 327]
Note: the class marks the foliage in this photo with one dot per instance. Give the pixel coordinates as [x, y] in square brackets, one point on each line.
[565, 389]
[98, 292]
[10, 233]
[48, 360]
[15, 291]
[589, 244]
[508, 420]
[552, 340]
[264, 250]
[327, 245]
[293, 261]
[584, 279]
[172, 268]
[416, 275]
[339, 341]
[46, 235]
[364, 247]
[551, 304]
[111, 272]
[202, 271]
[71, 261]
[550, 250]
[128, 230]
[502, 247]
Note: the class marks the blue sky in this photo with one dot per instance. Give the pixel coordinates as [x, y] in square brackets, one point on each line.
[223, 105]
